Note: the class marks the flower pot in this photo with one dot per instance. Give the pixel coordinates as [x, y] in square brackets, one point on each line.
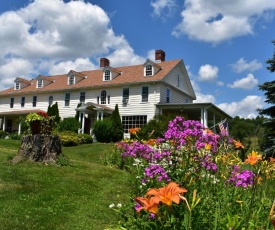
[35, 127]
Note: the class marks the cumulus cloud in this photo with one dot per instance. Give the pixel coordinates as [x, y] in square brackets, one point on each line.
[242, 65]
[246, 108]
[80, 64]
[163, 7]
[216, 21]
[51, 34]
[15, 67]
[248, 82]
[208, 73]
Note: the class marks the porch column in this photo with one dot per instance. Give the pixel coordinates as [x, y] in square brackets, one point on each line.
[83, 122]
[4, 123]
[19, 128]
[214, 122]
[205, 122]
[97, 115]
[202, 115]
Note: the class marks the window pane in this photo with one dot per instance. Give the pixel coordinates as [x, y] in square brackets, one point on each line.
[67, 99]
[103, 97]
[82, 97]
[34, 100]
[145, 93]
[129, 122]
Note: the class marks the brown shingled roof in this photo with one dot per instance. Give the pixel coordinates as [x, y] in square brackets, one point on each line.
[129, 75]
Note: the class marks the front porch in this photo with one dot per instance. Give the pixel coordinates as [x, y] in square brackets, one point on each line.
[10, 121]
[207, 113]
[88, 113]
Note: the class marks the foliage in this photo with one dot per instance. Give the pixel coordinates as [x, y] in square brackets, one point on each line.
[77, 196]
[211, 187]
[3, 134]
[53, 111]
[15, 136]
[103, 130]
[69, 138]
[69, 124]
[77, 112]
[155, 127]
[117, 128]
[269, 89]
[35, 117]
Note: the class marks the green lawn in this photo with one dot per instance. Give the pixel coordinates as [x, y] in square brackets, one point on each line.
[76, 196]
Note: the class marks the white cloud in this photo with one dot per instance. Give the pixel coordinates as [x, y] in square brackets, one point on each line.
[163, 8]
[14, 67]
[200, 96]
[208, 73]
[216, 21]
[246, 108]
[242, 65]
[248, 82]
[80, 64]
[220, 83]
[51, 34]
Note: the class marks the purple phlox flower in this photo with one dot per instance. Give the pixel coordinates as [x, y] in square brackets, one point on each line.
[155, 171]
[243, 178]
[207, 162]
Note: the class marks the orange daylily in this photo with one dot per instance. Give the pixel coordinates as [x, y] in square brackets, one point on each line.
[151, 142]
[272, 159]
[253, 158]
[147, 204]
[208, 131]
[207, 146]
[238, 144]
[134, 130]
[168, 194]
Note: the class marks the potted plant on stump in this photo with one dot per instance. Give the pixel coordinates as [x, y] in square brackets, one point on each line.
[35, 122]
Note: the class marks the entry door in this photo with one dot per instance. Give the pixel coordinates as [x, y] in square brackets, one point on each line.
[9, 125]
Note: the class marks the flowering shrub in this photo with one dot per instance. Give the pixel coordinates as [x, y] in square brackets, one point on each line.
[223, 191]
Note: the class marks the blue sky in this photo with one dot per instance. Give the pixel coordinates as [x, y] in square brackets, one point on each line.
[224, 44]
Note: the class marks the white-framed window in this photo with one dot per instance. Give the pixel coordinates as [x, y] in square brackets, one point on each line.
[97, 99]
[67, 99]
[129, 122]
[50, 100]
[71, 79]
[107, 75]
[148, 70]
[17, 85]
[11, 102]
[34, 101]
[82, 97]
[186, 100]
[103, 97]
[109, 99]
[144, 93]
[125, 96]
[168, 95]
[22, 102]
[39, 83]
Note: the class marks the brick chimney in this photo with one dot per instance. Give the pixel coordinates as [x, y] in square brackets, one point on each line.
[104, 62]
[159, 56]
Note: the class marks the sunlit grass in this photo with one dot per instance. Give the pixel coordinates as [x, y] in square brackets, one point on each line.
[76, 196]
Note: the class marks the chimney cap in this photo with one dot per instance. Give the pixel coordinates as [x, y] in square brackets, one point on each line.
[159, 55]
[104, 62]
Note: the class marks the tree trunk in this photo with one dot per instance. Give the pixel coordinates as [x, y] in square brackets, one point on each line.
[43, 148]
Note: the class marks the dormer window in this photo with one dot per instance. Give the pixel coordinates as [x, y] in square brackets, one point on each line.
[148, 70]
[39, 83]
[107, 75]
[17, 85]
[71, 79]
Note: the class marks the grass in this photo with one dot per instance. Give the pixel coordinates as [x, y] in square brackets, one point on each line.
[76, 196]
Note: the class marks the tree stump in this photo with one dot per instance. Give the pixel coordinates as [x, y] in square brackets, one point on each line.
[39, 148]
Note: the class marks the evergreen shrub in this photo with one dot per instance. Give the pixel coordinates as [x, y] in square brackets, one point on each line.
[103, 130]
[69, 124]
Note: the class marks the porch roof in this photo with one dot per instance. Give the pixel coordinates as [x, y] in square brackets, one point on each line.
[194, 106]
[21, 112]
[89, 106]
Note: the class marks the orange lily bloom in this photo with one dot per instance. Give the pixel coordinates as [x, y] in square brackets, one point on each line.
[151, 142]
[272, 159]
[253, 158]
[207, 146]
[147, 204]
[168, 194]
[134, 130]
[238, 144]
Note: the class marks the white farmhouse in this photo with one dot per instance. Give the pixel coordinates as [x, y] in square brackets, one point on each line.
[140, 91]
